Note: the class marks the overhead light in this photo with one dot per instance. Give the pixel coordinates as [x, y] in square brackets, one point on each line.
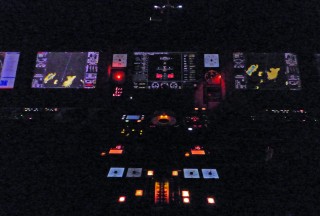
[156, 7]
[179, 6]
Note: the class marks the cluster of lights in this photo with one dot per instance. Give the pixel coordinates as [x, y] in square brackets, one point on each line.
[286, 111]
[41, 109]
[126, 133]
[197, 108]
[117, 150]
[185, 196]
[157, 7]
[117, 92]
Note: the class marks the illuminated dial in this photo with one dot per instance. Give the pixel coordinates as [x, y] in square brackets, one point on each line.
[173, 85]
[155, 85]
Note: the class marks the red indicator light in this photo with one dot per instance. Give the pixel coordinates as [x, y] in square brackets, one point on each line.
[170, 76]
[158, 76]
[118, 76]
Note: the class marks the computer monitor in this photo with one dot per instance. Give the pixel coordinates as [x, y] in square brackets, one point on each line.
[164, 70]
[8, 68]
[266, 71]
[66, 70]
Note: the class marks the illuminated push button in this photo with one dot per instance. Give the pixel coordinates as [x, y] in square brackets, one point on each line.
[210, 174]
[185, 193]
[186, 200]
[210, 200]
[150, 173]
[175, 173]
[122, 199]
[134, 172]
[115, 172]
[191, 173]
[139, 193]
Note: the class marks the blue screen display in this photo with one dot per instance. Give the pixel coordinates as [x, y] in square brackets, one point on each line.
[133, 117]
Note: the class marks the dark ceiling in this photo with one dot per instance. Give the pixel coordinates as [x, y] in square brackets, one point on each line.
[220, 24]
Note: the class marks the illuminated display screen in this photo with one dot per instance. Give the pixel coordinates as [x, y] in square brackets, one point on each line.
[133, 117]
[159, 70]
[269, 71]
[8, 68]
[66, 70]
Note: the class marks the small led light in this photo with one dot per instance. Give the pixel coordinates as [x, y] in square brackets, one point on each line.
[187, 154]
[190, 129]
[210, 200]
[186, 200]
[102, 154]
[175, 173]
[150, 173]
[196, 108]
[139, 193]
[122, 199]
[185, 193]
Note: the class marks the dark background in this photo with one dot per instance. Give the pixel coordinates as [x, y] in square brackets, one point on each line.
[53, 169]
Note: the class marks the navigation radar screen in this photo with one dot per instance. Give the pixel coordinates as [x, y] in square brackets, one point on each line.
[8, 68]
[66, 70]
[266, 71]
[163, 70]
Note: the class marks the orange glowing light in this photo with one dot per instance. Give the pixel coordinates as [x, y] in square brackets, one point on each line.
[122, 199]
[210, 200]
[187, 154]
[175, 173]
[115, 151]
[203, 108]
[164, 117]
[150, 173]
[198, 152]
[196, 108]
[139, 193]
[185, 193]
[186, 200]
[102, 154]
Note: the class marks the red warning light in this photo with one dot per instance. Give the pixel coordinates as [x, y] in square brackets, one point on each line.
[118, 76]
[159, 76]
[171, 76]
